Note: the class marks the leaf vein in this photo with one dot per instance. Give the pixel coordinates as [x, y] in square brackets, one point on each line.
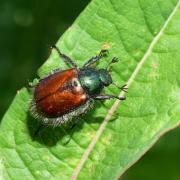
[116, 104]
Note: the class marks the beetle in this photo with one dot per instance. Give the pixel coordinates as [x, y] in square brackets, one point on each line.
[65, 94]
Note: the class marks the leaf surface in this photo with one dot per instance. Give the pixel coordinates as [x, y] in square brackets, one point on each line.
[145, 35]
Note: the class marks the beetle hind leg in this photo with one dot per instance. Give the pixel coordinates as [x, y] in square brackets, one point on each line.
[107, 97]
[65, 57]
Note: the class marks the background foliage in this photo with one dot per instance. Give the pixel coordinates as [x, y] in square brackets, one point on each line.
[27, 29]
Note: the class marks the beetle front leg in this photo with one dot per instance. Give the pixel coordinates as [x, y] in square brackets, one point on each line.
[65, 57]
[106, 97]
[102, 54]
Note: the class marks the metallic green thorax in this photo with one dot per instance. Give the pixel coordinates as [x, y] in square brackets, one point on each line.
[93, 81]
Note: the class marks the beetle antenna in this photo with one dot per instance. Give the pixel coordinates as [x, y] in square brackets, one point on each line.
[114, 60]
[123, 88]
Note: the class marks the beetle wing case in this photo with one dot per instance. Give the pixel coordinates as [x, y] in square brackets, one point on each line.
[59, 97]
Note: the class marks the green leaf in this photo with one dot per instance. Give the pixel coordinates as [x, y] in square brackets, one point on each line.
[145, 35]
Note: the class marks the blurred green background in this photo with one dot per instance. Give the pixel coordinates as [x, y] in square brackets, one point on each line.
[27, 30]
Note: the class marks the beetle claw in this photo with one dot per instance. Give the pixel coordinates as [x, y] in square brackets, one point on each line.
[103, 53]
[124, 88]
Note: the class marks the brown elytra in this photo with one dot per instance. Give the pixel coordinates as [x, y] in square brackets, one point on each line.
[59, 93]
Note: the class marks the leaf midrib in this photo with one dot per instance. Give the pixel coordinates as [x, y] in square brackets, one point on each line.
[121, 94]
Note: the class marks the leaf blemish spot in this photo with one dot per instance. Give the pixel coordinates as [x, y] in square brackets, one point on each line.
[154, 65]
[153, 74]
[155, 32]
[107, 140]
[38, 172]
[137, 53]
[46, 158]
[106, 46]
[90, 134]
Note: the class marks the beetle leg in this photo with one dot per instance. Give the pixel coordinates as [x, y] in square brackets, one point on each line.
[71, 133]
[91, 61]
[124, 88]
[106, 97]
[113, 60]
[65, 57]
[38, 130]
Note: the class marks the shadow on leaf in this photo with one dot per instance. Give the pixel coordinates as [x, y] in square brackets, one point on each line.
[49, 136]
